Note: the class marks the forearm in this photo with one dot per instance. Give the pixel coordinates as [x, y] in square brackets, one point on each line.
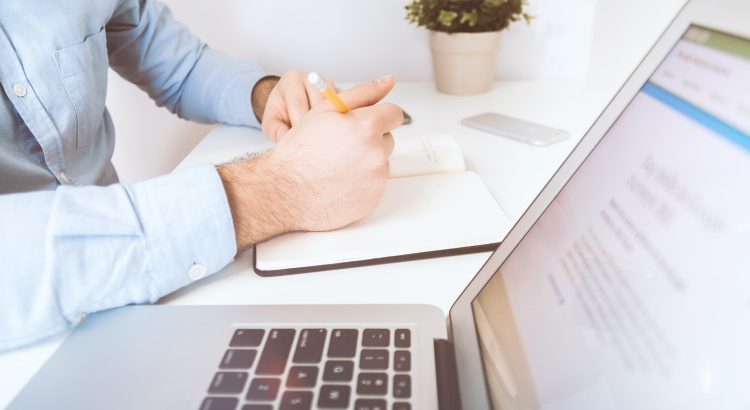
[78, 250]
[260, 93]
[264, 198]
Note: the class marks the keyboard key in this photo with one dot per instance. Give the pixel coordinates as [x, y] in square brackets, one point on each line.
[372, 383]
[343, 343]
[296, 400]
[373, 359]
[238, 359]
[402, 361]
[403, 338]
[310, 346]
[376, 338]
[263, 389]
[302, 376]
[247, 337]
[338, 371]
[334, 397]
[228, 382]
[276, 352]
[257, 407]
[219, 403]
[401, 406]
[402, 386]
[370, 404]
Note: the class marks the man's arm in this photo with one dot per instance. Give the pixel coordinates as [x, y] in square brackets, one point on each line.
[77, 250]
[178, 71]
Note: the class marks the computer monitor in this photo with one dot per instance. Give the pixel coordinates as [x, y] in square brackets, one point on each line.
[633, 288]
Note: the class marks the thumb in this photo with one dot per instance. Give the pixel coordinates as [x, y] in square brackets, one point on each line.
[369, 93]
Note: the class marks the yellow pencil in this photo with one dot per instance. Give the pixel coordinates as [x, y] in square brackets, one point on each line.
[317, 81]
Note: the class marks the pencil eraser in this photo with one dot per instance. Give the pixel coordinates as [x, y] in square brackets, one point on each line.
[316, 81]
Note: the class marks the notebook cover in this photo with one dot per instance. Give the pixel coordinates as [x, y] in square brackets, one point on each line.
[490, 247]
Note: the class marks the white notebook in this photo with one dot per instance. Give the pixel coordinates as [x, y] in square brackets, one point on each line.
[431, 207]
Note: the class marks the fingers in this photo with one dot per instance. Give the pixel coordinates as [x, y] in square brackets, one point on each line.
[297, 104]
[389, 144]
[290, 100]
[384, 117]
[369, 93]
[274, 127]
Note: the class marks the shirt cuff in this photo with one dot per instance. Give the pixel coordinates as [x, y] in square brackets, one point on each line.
[188, 226]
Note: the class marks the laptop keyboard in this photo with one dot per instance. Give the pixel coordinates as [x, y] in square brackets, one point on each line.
[296, 369]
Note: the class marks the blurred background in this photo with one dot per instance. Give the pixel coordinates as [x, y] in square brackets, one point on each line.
[353, 41]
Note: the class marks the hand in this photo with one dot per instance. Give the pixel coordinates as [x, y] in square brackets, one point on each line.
[327, 172]
[289, 100]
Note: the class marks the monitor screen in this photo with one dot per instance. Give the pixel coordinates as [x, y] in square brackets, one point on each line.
[632, 290]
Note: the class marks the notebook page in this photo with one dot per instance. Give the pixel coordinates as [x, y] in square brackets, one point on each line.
[425, 154]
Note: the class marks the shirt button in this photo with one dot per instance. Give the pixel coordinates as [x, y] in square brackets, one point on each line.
[64, 178]
[78, 319]
[19, 90]
[197, 271]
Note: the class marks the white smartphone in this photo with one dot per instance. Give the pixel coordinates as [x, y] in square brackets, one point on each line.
[515, 128]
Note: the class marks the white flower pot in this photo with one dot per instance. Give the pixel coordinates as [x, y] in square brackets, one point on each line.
[464, 63]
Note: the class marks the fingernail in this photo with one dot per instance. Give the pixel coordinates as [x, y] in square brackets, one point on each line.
[385, 79]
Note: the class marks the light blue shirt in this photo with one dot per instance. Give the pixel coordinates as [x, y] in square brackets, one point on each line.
[72, 240]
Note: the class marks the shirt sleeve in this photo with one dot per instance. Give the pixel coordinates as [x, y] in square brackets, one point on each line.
[77, 250]
[149, 48]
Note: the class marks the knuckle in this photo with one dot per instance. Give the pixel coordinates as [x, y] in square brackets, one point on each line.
[298, 104]
[369, 125]
[377, 160]
[293, 74]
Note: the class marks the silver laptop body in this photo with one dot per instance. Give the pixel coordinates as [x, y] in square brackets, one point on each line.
[624, 285]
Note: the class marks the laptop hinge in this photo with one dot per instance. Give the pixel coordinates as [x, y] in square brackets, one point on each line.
[449, 397]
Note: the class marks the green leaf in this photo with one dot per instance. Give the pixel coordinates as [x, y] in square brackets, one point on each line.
[446, 17]
[470, 17]
[494, 3]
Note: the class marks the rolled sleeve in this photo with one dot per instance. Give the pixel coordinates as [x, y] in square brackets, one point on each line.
[186, 222]
[78, 250]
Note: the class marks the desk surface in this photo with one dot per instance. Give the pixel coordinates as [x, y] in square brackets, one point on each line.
[513, 171]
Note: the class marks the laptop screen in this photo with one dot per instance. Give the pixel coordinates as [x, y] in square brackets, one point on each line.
[632, 290]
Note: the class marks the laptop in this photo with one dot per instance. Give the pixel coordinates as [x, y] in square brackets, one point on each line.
[626, 284]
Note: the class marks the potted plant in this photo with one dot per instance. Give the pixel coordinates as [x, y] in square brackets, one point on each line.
[464, 39]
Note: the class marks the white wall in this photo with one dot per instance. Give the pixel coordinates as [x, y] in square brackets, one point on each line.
[350, 41]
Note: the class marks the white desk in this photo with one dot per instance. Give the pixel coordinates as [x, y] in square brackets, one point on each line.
[514, 172]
